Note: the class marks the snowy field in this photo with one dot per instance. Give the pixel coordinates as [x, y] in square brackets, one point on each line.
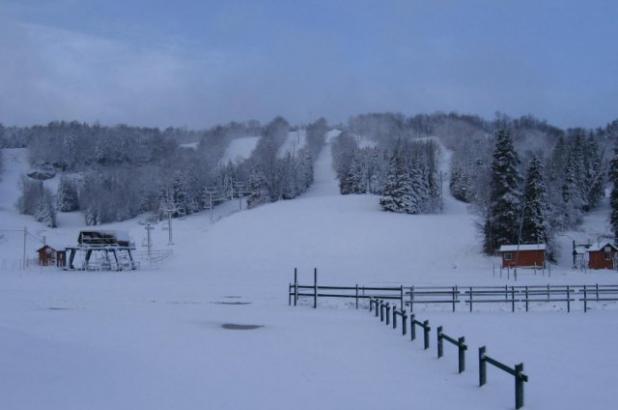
[153, 339]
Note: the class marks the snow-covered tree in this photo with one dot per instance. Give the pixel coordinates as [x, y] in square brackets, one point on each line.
[613, 177]
[501, 223]
[258, 190]
[534, 228]
[66, 198]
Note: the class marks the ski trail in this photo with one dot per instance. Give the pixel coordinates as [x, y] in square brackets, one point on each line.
[324, 177]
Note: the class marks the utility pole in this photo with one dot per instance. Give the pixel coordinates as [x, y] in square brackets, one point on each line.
[149, 243]
[210, 192]
[25, 240]
[240, 189]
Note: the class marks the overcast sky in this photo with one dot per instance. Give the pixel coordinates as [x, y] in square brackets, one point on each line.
[195, 63]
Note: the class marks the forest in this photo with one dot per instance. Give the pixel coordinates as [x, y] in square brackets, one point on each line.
[525, 179]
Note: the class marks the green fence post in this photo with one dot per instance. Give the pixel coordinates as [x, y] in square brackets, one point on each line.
[440, 345]
[482, 366]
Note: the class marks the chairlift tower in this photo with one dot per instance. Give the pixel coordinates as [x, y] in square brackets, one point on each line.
[210, 191]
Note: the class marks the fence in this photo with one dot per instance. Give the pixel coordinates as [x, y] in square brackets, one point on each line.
[384, 310]
[517, 371]
[514, 297]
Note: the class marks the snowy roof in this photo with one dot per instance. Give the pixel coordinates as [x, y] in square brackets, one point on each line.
[601, 246]
[523, 247]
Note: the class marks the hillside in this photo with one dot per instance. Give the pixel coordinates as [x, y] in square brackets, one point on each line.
[153, 338]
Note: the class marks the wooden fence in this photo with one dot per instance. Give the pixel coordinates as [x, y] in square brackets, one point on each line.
[515, 298]
[388, 314]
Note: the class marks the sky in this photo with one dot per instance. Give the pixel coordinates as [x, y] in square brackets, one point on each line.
[196, 63]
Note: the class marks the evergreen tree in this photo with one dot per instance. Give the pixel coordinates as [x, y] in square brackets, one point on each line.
[613, 177]
[46, 212]
[398, 192]
[534, 227]
[595, 175]
[258, 190]
[66, 198]
[501, 224]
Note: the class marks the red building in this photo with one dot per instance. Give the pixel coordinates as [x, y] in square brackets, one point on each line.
[47, 256]
[527, 255]
[602, 256]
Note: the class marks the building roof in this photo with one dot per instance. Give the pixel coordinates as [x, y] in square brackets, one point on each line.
[523, 247]
[601, 246]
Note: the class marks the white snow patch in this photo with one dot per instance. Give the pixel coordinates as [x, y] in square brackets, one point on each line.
[240, 149]
[295, 141]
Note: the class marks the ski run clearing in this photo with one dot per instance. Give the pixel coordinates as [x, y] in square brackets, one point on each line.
[167, 337]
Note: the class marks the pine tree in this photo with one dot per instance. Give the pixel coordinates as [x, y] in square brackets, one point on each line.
[613, 177]
[258, 190]
[501, 224]
[398, 193]
[45, 212]
[595, 175]
[534, 227]
[66, 198]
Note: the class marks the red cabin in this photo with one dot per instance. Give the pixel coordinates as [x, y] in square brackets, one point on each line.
[602, 256]
[47, 256]
[528, 255]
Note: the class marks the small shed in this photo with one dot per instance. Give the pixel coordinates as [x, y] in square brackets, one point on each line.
[602, 256]
[525, 255]
[47, 256]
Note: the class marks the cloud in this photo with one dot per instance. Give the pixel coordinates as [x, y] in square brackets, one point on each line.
[51, 73]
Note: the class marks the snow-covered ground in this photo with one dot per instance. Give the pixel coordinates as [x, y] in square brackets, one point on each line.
[153, 338]
[295, 141]
[239, 149]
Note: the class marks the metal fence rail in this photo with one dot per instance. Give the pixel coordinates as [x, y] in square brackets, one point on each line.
[520, 297]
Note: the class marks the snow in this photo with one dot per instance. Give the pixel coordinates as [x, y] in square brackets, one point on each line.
[240, 149]
[295, 141]
[190, 145]
[365, 142]
[154, 338]
[522, 247]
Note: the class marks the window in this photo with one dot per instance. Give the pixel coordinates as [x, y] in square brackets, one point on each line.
[508, 256]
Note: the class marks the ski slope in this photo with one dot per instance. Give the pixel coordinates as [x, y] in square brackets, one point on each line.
[153, 339]
[295, 141]
[239, 149]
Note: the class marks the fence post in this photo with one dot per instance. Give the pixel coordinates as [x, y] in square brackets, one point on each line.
[381, 311]
[289, 294]
[394, 317]
[412, 300]
[512, 298]
[568, 290]
[426, 330]
[461, 350]
[519, 386]
[597, 289]
[388, 313]
[315, 288]
[585, 300]
[470, 298]
[482, 366]
[377, 305]
[412, 326]
[440, 345]
[295, 286]
[357, 296]
[526, 298]
[404, 322]
[454, 298]
[401, 298]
